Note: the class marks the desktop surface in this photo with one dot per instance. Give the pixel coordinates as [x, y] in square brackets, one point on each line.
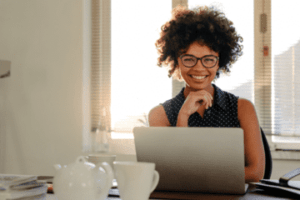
[252, 194]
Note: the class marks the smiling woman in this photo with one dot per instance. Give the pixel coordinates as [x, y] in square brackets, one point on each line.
[196, 45]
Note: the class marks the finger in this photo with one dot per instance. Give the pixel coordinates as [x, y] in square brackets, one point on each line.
[205, 98]
[208, 100]
[208, 97]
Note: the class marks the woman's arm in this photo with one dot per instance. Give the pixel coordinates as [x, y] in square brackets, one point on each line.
[158, 117]
[254, 151]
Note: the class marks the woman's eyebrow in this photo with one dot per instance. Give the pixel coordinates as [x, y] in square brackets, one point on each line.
[196, 56]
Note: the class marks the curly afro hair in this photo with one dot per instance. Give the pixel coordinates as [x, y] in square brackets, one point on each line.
[206, 25]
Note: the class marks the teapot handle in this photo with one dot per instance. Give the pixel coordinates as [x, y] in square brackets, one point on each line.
[109, 172]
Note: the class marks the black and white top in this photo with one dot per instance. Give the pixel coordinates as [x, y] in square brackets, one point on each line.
[223, 112]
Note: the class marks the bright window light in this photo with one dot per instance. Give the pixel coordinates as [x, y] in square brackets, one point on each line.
[285, 51]
[138, 84]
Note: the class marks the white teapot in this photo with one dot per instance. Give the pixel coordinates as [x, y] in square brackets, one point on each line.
[82, 180]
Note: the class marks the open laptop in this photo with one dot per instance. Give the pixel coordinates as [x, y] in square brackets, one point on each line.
[193, 159]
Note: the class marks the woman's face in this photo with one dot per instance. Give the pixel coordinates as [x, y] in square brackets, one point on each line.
[198, 77]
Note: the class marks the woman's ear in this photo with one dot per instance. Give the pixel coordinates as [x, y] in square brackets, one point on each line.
[219, 71]
[178, 73]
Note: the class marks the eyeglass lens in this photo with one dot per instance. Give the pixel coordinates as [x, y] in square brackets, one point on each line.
[190, 61]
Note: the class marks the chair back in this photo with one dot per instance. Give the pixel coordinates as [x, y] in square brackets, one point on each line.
[268, 160]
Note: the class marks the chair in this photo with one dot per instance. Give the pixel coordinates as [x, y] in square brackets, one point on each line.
[268, 164]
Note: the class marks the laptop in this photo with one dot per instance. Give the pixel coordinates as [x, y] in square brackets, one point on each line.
[193, 159]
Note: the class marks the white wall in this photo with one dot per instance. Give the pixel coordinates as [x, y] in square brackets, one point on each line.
[41, 108]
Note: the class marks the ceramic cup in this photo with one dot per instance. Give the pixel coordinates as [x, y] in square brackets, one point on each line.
[136, 180]
[97, 158]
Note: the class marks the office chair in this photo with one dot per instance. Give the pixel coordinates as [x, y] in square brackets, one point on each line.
[268, 164]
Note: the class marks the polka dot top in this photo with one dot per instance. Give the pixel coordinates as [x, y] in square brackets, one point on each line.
[223, 112]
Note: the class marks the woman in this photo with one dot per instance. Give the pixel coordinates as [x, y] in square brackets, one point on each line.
[196, 45]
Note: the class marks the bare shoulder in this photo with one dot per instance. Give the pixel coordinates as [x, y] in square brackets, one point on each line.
[245, 106]
[158, 117]
[247, 113]
[244, 102]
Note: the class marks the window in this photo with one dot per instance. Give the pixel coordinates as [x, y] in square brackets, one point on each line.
[138, 84]
[266, 74]
[285, 73]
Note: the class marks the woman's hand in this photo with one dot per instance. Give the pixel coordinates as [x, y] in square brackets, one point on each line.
[191, 104]
[195, 100]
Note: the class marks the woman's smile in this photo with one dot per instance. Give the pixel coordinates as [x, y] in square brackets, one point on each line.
[198, 77]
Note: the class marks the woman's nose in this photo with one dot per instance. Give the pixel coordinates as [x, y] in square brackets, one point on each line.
[199, 66]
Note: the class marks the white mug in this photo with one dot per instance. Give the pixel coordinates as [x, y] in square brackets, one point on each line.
[136, 180]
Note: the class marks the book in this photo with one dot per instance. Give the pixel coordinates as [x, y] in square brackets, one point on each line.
[19, 187]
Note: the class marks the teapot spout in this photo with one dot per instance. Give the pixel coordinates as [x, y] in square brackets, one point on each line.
[57, 167]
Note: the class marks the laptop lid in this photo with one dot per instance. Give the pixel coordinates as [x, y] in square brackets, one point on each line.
[194, 159]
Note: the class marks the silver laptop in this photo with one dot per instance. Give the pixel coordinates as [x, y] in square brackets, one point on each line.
[194, 159]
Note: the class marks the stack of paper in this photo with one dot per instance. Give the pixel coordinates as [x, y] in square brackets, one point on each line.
[21, 187]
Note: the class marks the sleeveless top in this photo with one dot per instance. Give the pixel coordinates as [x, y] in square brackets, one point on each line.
[223, 112]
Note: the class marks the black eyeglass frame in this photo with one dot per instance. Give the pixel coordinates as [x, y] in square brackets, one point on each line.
[199, 59]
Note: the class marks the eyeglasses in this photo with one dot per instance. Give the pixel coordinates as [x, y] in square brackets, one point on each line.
[207, 61]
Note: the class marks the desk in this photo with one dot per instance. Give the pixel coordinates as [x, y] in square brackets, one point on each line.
[253, 193]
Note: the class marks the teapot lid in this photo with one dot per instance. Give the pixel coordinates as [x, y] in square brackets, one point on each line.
[81, 161]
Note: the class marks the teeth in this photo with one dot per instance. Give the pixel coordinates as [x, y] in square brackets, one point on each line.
[198, 77]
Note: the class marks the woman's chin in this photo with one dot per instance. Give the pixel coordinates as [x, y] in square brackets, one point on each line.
[197, 87]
